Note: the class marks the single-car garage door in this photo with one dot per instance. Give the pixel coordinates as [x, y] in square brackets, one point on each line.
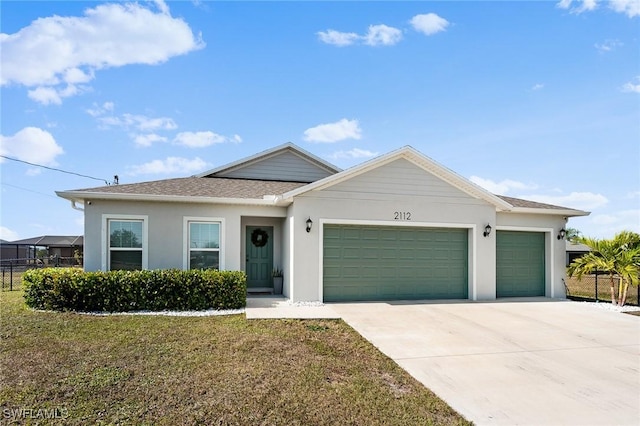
[520, 265]
[394, 263]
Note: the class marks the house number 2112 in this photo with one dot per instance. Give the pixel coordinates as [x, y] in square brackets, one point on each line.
[402, 215]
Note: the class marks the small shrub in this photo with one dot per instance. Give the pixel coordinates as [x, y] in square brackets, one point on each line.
[70, 289]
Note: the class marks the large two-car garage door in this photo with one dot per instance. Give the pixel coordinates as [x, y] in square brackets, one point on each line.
[520, 267]
[394, 263]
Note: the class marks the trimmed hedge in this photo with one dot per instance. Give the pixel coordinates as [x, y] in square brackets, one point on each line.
[71, 289]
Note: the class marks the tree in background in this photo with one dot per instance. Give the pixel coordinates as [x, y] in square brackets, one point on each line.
[572, 235]
[619, 256]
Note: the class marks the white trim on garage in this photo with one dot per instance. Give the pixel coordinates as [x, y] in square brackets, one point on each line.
[549, 249]
[471, 236]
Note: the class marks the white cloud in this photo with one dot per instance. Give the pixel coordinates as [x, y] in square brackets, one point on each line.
[148, 139]
[31, 144]
[337, 38]
[99, 110]
[334, 132]
[168, 166]
[138, 122]
[53, 55]
[203, 139]
[377, 35]
[7, 234]
[574, 200]
[382, 35]
[537, 86]
[586, 5]
[633, 194]
[429, 23]
[564, 4]
[607, 45]
[45, 95]
[501, 188]
[631, 8]
[631, 86]
[608, 225]
[354, 153]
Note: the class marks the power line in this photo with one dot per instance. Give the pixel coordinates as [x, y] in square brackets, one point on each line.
[54, 169]
[26, 189]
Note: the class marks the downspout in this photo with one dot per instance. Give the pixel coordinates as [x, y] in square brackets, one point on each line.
[73, 206]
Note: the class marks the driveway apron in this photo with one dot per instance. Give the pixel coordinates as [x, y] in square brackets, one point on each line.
[533, 362]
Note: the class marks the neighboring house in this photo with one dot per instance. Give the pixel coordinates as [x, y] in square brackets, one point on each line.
[9, 250]
[400, 226]
[60, 246]
[575, 250]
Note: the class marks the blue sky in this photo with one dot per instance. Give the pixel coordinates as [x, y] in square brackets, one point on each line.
[537, 100]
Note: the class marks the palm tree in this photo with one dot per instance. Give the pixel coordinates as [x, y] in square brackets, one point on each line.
[572, 235]
[619, 256]
[600, 258]
[628, 262]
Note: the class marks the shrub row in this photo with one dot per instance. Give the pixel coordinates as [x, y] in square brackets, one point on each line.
[71, 289]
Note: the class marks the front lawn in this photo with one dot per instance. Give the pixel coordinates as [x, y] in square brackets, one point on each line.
[199, 370]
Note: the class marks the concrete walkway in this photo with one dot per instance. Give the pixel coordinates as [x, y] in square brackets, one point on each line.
[273, 307]
[514, 363]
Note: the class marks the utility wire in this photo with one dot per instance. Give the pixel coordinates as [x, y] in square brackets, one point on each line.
[54, 169]
[29, 190]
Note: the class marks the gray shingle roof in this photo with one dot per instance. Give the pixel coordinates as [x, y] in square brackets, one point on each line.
[518, 202]
[51, 240]
[201, 187]
[216, 187]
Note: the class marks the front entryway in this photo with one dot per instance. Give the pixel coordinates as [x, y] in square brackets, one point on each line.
[259, 257]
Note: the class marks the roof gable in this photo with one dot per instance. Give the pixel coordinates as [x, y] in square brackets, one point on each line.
[413, 156]
[396, 180]
[286, 162]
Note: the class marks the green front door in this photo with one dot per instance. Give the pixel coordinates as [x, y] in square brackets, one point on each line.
[259, 249]
[394, 263]
[520, 267]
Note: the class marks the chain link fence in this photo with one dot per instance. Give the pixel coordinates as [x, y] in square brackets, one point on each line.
[13, 269]
[597, 288]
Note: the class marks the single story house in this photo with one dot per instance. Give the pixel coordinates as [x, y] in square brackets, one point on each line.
[57, 246]
[575, 251]
[399, 226]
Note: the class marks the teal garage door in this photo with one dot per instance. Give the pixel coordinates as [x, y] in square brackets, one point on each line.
[394, 263]
[520, 264]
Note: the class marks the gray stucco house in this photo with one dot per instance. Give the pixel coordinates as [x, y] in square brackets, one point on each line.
[399, 226]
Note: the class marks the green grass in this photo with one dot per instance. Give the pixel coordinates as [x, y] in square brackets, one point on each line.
[201, 370]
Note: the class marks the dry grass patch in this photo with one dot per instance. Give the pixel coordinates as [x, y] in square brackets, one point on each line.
[203, 370]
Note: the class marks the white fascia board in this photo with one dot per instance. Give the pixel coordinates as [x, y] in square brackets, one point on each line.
[554, 212]
[82, 196]
[270, 153]
[416, 158]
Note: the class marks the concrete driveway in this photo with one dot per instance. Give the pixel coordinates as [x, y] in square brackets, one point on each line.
[539, 362]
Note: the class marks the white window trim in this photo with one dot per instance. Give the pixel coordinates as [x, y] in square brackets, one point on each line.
[106, 241]
[185, 238]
